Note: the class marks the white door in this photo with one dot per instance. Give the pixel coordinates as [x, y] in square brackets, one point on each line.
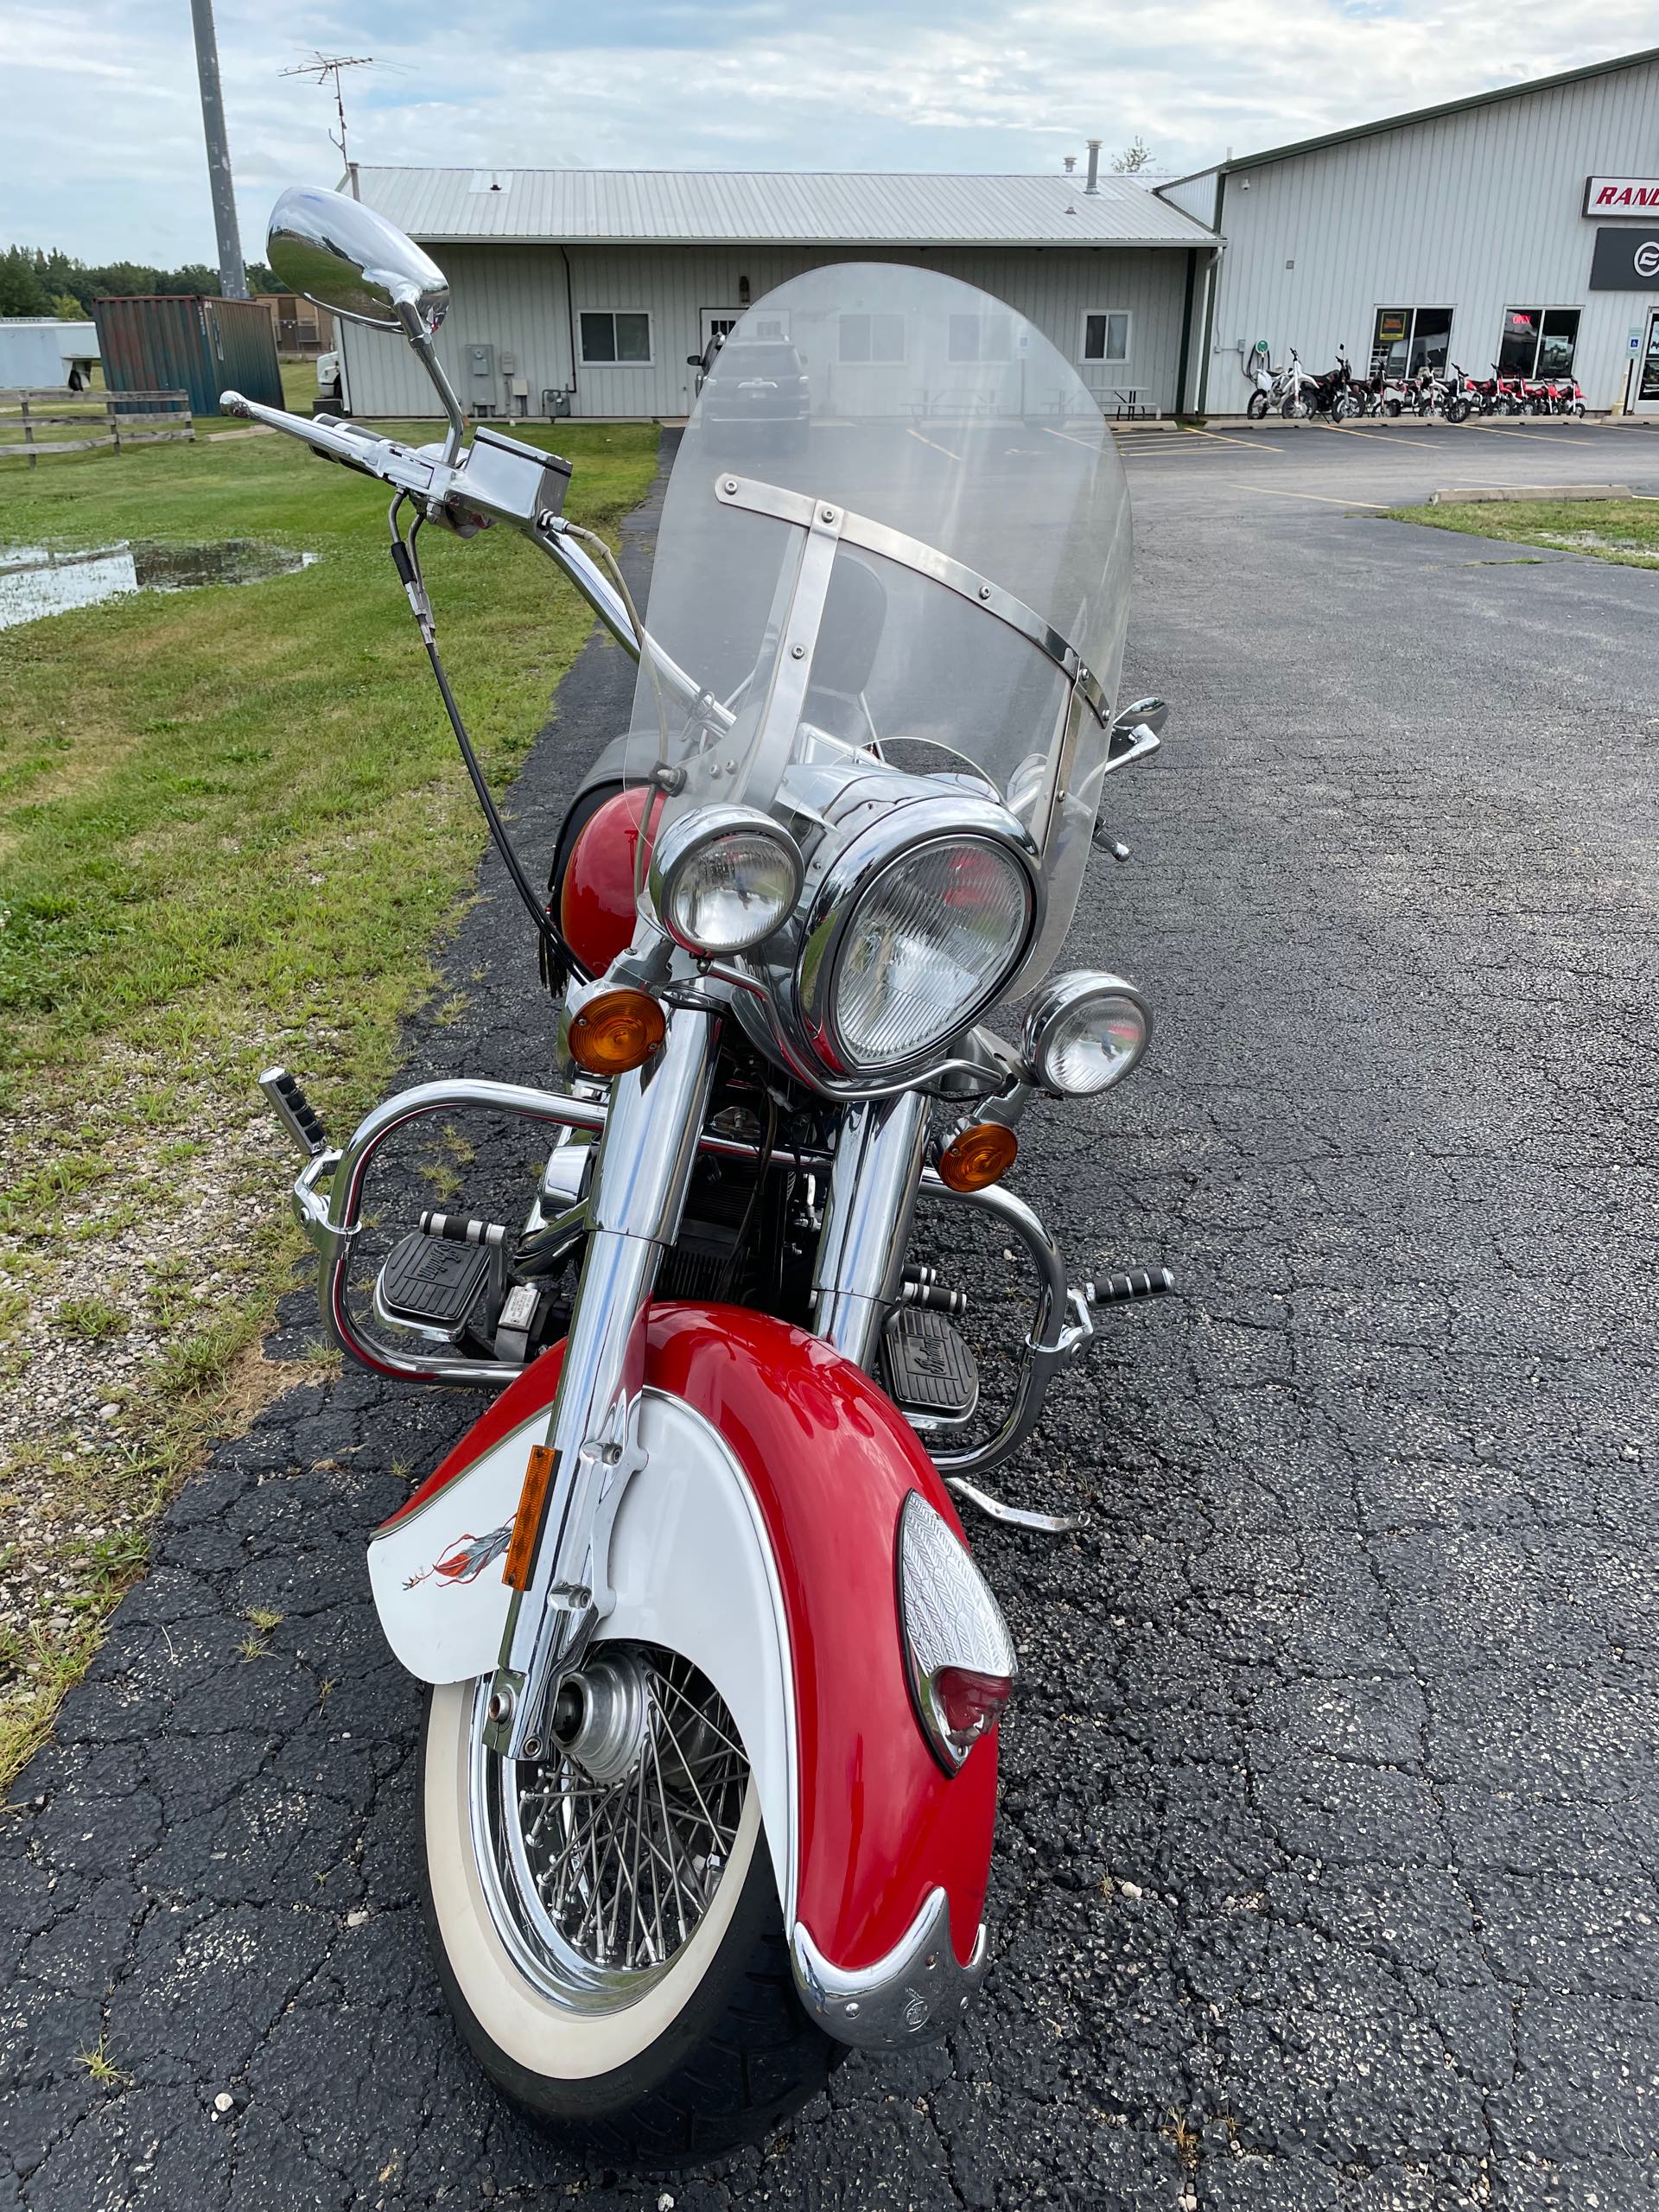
[718, 322]
[1645, 397]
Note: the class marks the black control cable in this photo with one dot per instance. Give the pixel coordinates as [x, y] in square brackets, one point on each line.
[406, 561]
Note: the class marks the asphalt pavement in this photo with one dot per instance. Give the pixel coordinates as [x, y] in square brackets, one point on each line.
[1329, 1873]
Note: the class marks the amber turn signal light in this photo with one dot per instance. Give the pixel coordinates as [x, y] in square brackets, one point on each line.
[977, 1156]
[617, 1030]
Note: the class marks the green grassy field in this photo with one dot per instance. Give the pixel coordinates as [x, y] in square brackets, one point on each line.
[232, 829]
[1625, 530]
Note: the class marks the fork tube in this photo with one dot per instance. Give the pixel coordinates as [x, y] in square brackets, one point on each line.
[867, 1222]
[641, 1179]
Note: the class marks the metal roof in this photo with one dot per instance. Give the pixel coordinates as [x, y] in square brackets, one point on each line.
[771, 207]
[1424, 115]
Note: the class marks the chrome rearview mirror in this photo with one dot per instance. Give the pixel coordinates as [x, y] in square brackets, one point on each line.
[357, 265]
[1136, 732]
[354, 263]
[1145, 714]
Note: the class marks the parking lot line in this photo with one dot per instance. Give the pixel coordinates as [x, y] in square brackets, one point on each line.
[934, 442]
[1323, 498]
[1050, 431]
[1384, 437]
[1225, 438]
[1538, 437]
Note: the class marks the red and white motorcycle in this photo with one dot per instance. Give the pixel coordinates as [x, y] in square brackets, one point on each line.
[709, 1765]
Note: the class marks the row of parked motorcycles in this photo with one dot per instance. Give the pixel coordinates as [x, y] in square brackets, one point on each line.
[1450, 392]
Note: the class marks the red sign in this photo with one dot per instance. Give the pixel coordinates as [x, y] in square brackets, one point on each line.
[1621, 195]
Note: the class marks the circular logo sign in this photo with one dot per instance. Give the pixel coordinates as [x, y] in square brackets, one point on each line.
[1647, 258]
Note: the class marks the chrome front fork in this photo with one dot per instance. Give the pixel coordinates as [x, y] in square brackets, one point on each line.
[640, 1177]
[867, 1218]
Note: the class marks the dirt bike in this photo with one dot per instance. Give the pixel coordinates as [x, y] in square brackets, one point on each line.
[1332, 395]
[1271, 386]
[709, 1762]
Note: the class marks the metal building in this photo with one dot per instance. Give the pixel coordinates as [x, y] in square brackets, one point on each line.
[1521, 226]
[584, 291]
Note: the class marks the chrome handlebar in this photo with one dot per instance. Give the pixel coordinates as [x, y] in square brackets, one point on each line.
[460, 493]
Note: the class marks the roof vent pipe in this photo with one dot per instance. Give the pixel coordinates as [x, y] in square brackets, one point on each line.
[1093, 184]
[1070, 161]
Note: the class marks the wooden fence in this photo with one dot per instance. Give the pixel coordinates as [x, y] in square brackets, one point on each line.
[114, 419]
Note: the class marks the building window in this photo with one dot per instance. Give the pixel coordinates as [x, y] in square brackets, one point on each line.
[615, 336]
[872, 338]
[1106, 338]
[1406, 340]
[977, 338]
[1538, 341]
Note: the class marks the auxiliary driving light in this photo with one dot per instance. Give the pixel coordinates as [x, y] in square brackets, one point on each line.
[724, 878]
[617, 1030]
[978, 1156]
[1084, 1033]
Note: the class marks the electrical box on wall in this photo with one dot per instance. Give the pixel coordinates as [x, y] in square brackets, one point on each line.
[480, 359]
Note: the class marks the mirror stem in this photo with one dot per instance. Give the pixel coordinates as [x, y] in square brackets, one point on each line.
[418, 336]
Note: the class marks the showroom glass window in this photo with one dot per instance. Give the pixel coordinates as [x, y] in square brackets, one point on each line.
[1539, 342]
[1407, 340]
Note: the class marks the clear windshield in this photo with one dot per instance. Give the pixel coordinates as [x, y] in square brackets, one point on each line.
[860, 421]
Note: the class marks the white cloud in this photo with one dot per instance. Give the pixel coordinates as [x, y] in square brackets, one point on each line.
[104, 152]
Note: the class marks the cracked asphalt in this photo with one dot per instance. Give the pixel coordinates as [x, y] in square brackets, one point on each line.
[1327, 1874]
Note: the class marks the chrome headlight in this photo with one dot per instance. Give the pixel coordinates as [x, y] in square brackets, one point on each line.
[1084, 1033]
[915, 930]
[724, 878]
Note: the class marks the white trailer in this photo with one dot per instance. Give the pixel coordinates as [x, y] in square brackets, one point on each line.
[39, 353]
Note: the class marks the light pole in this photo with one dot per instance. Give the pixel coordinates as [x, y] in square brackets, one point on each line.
[233, 276]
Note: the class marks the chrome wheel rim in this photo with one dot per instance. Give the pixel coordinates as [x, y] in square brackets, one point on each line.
[600, 1862]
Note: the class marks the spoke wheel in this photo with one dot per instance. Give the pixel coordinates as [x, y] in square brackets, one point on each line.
[601, 1860]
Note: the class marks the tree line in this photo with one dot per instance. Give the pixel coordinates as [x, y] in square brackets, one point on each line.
[34, 282]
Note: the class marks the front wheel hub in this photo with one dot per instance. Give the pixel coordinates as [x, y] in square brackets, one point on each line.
[602, 1717]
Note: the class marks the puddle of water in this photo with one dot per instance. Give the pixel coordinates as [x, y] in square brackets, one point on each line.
[36, 581]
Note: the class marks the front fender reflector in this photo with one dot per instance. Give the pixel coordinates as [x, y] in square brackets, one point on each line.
[515, 1571]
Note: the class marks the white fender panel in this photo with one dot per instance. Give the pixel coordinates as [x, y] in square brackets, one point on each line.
[689, 1562]
[436, 1577]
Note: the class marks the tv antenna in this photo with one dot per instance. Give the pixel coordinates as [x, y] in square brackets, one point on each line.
[327, 69]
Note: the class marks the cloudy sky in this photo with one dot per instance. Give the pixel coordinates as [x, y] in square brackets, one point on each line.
[100, 147]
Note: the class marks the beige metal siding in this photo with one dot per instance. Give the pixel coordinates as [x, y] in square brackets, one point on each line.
[1477, 211]
[514, 297]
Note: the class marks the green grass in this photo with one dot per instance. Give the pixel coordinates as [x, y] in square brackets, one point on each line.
[231, 800]
[232, 829]
[1625, 530]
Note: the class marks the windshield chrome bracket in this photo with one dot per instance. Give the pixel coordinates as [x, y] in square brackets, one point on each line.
[797, 643]
[913, 553]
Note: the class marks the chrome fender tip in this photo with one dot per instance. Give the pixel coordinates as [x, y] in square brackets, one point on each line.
[918, 1992]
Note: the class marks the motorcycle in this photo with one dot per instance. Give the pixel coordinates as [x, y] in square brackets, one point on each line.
[1486, 395]
[1554, 396]
[1332, 395]
[1507, 393]
[1272, 387]
[708, 1757]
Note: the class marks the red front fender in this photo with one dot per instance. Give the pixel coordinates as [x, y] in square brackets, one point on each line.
[831, 1461]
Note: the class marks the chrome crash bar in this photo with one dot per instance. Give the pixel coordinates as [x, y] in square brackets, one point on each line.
[328, 1206]
[872, 1184]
